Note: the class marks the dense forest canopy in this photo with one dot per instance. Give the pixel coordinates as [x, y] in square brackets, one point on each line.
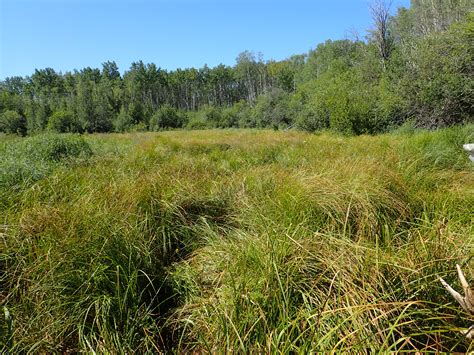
[415, 66]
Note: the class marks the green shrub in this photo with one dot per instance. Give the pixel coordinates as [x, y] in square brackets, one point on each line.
[12, 122]
[346, 102]
[138, 127]
[310, 114]
[206, 117]
[63, 122]
[437, 79]
[234, 116]
[124, 121]
[197, 122]
[272, 110]
[166, 117]
[212, 115]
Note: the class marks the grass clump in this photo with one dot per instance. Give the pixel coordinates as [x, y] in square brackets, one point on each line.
[247, 241]
[28, 160]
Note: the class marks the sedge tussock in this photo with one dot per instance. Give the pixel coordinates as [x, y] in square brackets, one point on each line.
[234, 240]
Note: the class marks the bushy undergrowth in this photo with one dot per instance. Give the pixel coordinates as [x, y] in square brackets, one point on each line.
[246, 241]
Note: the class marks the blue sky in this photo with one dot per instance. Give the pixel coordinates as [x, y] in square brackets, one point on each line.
[72, 34]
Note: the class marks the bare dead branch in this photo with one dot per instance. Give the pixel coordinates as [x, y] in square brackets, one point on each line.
[466, 302]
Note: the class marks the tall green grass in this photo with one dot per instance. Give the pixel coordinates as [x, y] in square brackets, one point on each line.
[25, 161]
[247, 241]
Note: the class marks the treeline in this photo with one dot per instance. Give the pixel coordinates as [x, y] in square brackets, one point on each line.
[416, 66]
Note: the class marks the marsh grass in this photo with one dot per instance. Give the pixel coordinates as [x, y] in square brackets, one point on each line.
[247, 241]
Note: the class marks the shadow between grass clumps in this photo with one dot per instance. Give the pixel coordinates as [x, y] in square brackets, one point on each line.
[180, 223]
[109, 287]
[182, 226]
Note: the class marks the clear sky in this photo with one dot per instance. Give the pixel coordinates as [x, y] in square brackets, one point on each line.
[73, 34]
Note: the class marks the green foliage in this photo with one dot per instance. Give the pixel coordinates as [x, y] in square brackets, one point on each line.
[236, 116]
[209, 117]
[63, 122]
[13, 123]
[415, 66]
[438, 84]
[211, 114]
[424, 17]
[124, 121]
[390, 107]
[37, 114]
[166, 117]
[283, 73]
[272, 110]
[197, 122]
[345, 103]
[333, 57]
[10, 101]
[310, 114]
[136, 112]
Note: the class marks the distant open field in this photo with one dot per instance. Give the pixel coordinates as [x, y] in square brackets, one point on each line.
[242, 240]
